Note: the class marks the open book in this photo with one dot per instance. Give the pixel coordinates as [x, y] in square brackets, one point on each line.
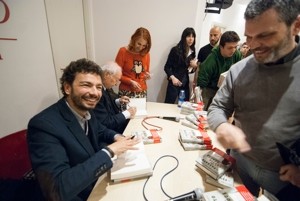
[131, 165]
[141, 106]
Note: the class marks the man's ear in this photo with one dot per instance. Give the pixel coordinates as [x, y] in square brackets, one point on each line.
[106, 74]
[296, 28]
[67, 88]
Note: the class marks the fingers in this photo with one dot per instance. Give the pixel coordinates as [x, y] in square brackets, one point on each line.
[232, 137]
[124, 100]
[122, 146]
[132, 111]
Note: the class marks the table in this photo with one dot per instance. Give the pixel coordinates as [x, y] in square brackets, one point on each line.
[184, 179]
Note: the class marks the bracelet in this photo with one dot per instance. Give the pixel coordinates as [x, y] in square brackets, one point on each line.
[112, 154]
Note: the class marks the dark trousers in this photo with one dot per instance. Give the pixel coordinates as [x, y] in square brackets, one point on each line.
[173, 92]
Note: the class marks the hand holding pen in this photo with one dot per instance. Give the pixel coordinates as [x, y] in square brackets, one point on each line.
[124, 100]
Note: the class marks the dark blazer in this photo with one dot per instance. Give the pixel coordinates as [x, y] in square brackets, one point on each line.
[109, 114]
[66, 161]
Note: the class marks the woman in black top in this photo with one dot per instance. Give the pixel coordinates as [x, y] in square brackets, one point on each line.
[181, 61]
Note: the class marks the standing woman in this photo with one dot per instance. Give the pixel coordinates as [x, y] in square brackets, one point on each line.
[134, 60]
[181, 61]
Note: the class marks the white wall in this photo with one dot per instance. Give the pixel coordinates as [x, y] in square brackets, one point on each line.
[52, 33]
[67, 32]
[231, 18]
[112, 22]
[115, 21]
[27, 75]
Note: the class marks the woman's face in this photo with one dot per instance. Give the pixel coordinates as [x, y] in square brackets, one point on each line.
[139, 45]
[190, 40]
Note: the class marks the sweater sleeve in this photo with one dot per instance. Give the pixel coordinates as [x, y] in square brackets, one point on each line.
[222, 106]
[206, 71]
[121, 61]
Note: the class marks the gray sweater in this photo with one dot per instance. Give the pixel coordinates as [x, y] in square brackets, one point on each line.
[265, 100]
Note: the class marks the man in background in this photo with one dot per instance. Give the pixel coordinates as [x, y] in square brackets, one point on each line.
[68, 147]
[214, 36]
[219, 61]
[108, 110]
[263, 92]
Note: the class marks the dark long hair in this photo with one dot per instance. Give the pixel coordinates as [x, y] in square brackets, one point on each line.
[183, 48]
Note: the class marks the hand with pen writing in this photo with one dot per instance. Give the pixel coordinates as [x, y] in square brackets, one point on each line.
[124, 99]
[132, 111]
[122, 144]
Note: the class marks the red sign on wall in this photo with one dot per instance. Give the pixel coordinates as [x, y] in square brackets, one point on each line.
[5, 19]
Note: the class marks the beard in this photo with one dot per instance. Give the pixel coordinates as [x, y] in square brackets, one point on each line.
[275, 53]
[85, 102]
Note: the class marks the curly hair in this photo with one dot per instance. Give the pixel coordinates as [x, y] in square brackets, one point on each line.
[79, 66]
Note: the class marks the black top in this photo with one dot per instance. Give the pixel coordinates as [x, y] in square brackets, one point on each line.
[204, 52]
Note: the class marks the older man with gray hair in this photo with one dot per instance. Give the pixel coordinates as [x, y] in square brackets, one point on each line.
[108, 110]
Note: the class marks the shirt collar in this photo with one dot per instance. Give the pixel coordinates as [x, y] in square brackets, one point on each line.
[79, 118]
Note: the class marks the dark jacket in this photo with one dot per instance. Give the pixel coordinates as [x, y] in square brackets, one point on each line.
[66, 161]
[109, 114]
[177, 65]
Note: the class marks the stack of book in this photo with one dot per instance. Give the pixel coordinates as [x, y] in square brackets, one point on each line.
[189, 108]
[225, 181]
[194, 140]
[147, 136]
[215, 163]
[196, 120]
[238, 193]
[201, 117]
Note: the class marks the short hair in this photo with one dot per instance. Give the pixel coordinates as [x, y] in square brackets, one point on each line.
[228, 37]
[111, 67]
[141, 33]
[79, 66]
[288, 10]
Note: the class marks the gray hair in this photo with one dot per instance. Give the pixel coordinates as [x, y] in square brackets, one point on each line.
[110, 67]
[288, 10]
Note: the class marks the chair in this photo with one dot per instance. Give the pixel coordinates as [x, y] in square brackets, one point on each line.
[14, 160]
[15, 184]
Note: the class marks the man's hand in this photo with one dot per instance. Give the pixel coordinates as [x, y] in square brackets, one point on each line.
[290, 173]
[124, 100]
[124, 144]
[232, 137]
[132, 111]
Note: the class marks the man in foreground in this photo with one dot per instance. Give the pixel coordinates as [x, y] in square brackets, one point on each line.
[69, 149]
[263, 92]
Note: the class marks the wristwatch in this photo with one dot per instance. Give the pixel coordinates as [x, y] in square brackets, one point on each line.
[112, 154]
